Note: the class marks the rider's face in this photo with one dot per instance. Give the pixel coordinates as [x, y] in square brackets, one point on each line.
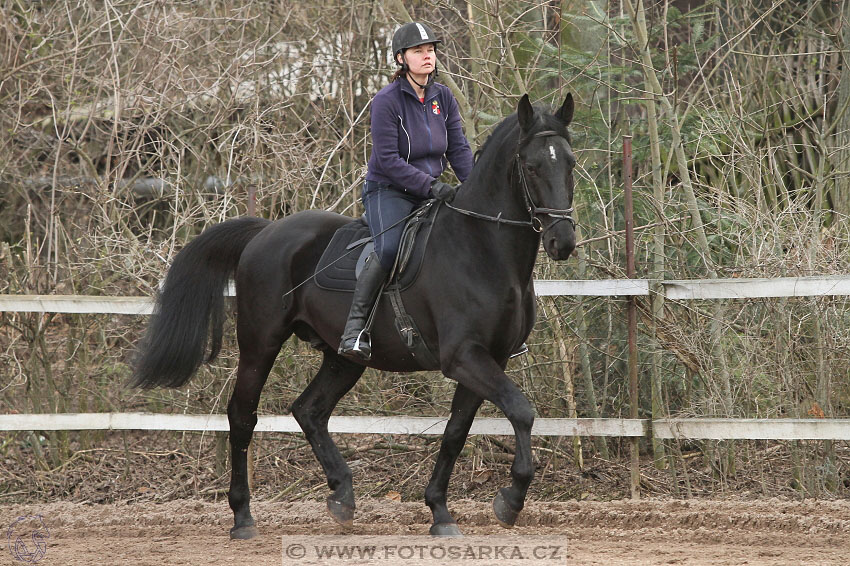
[421, 59]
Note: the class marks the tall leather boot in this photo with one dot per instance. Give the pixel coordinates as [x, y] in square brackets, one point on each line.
[354, 340]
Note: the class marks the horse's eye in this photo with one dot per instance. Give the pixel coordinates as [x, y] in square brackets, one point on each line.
[531, 170]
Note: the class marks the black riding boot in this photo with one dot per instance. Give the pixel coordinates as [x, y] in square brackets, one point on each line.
[354, 341]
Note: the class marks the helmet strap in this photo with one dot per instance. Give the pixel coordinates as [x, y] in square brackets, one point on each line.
[428, 83]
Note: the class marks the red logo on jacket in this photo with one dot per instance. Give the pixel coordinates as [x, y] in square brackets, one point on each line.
[435, 107]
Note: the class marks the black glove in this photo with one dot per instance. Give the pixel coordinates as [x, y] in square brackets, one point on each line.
[443, 191]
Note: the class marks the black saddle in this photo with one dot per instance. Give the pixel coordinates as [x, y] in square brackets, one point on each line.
[350, 245]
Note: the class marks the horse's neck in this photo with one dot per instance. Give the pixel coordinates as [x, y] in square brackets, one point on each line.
[488, 189]
[490, 192]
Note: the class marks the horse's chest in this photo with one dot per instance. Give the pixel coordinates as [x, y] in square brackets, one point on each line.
[520, 307]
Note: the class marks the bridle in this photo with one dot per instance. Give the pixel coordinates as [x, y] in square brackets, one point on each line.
[559, 214]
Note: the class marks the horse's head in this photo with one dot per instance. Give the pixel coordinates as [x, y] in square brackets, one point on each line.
[545, 163]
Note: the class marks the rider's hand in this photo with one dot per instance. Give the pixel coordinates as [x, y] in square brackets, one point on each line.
[443, 191]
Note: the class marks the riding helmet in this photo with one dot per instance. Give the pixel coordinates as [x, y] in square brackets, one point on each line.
[410, 35]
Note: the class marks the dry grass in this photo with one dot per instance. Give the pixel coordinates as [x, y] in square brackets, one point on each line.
[129, 127]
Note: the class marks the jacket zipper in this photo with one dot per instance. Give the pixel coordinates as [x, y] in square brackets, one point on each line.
[430, 140]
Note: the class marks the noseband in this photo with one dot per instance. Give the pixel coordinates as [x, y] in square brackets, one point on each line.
[558, 214]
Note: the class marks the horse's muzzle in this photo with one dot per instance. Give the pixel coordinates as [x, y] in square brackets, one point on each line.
[560, 241]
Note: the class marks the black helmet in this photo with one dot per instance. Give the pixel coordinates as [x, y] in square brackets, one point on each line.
[410, 35]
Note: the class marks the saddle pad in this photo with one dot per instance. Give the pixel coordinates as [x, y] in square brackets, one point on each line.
[336, 270]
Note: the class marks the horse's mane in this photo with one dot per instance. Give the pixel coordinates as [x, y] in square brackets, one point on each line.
[507, 128]
[502, 129]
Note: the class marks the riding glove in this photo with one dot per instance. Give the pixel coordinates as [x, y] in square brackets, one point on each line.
[443, 191]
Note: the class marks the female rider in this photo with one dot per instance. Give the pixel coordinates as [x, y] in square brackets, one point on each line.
[416, 127]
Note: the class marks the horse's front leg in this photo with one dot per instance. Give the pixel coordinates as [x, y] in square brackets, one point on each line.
[474, 368]
[464, 406]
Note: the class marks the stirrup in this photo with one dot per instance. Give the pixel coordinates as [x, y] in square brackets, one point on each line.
[358, 350]
[367, 342]
[522, 350]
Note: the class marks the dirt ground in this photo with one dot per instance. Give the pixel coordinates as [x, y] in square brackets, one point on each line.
[654, 531]
[146, 499]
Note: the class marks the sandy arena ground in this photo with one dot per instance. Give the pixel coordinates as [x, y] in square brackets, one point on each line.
[605, 533]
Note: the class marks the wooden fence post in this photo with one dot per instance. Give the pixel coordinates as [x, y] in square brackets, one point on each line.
[630, 273]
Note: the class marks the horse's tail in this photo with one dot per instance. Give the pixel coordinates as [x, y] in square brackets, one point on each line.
[189, 311]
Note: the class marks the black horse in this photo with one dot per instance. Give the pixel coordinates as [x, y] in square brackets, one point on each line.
[473, 302]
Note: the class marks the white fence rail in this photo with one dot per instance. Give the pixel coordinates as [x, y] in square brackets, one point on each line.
[338, 424]
[738, 288]
[672, 289]
[79, 304]
[717, 429]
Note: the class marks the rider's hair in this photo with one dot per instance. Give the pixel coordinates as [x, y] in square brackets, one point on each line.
[400, 72]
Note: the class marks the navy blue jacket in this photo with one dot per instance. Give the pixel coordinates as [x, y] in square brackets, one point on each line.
[411, 140]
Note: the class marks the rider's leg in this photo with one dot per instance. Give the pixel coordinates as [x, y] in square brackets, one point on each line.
[368, 285]
[385, 206]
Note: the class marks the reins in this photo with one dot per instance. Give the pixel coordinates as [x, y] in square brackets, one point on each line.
[498, 218]
[559, 214]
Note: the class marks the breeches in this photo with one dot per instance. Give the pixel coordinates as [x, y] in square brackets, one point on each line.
[385, 207]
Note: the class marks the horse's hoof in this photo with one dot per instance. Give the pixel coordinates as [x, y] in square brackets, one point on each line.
[244, 533]
[445, 530]
[505, 514]
[342, 513]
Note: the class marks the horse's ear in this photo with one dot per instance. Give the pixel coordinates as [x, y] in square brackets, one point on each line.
[566, 111]
[525, 113]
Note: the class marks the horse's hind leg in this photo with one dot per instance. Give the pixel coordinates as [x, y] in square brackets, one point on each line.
[464, 406]
[255, 362]
[312, 410]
